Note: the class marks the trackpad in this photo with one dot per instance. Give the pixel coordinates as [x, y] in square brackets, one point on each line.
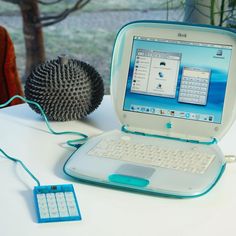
[135, 171]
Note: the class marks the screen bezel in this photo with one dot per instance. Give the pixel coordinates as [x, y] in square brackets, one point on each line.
[180, 128]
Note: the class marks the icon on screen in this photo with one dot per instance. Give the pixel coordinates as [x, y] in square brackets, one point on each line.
[187, 115]
[162, 63]
[161, 75]
[162, 112]
[210, 118]
[152, 110]
[219, 53]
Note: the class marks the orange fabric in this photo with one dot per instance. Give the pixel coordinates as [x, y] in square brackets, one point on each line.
[9, 79]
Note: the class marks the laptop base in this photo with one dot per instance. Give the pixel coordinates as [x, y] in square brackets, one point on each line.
[144, 178]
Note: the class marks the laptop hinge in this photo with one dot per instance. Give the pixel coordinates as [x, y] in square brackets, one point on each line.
[180, 138]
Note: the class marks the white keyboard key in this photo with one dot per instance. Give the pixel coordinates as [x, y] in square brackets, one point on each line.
[44, 214]
[53, 213]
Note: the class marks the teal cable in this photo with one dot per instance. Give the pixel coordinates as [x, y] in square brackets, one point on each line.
[69, 142]
[22, 164]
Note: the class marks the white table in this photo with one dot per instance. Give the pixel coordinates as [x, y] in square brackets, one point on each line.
[105, 212]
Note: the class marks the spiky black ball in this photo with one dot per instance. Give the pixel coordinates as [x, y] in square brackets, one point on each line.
[66, 89]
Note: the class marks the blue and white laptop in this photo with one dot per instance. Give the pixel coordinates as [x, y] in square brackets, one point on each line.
[173, 89]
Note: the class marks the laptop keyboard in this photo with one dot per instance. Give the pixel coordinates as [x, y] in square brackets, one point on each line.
[182, 160]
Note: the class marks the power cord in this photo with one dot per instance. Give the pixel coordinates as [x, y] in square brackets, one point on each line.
[72, 142]
[22, 164]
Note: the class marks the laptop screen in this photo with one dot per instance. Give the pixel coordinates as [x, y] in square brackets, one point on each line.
[180, 79]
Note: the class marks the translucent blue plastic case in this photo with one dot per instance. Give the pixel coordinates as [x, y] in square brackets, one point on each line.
[167, 130]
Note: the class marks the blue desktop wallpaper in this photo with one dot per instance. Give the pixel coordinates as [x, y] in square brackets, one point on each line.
[192, 56]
